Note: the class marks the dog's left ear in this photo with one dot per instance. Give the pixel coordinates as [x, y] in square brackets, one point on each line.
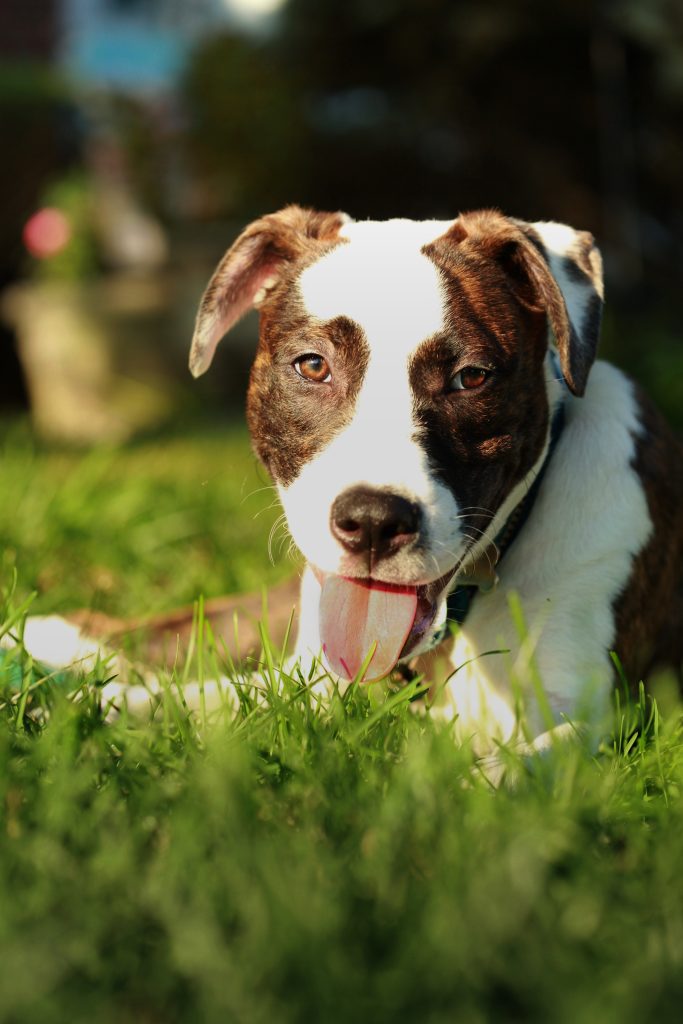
[252, 266]
[575, 263]
[549, 267]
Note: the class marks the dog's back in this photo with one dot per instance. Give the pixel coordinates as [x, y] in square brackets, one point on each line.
[649, 612]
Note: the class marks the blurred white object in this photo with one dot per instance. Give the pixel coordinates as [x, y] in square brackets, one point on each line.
[130, 239]
[80, 356]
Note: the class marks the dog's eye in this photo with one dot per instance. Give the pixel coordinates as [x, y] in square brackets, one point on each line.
[469, 378]
[313, 367]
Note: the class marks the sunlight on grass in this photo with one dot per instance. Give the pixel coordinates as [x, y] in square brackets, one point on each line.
[282, 858]
[140, 528]
[289, 859]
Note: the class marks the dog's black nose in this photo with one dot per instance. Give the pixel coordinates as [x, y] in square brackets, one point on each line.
[374, 523]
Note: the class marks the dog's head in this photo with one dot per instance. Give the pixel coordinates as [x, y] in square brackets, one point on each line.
[401, 395]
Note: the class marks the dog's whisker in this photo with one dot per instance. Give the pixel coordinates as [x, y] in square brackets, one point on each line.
[467, 521]
[285, 540]
[267, 508]
[437, 567]
[279, 522]
[471, 555]
[282, 541]
[485, 515]
[471, 526]
[477, 508]
[292, 551]
[258, 490]
[486, 553]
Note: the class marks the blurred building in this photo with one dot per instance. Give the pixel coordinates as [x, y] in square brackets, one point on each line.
[127, 44]
[142, 45]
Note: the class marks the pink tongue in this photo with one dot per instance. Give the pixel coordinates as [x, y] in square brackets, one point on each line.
[355, 615]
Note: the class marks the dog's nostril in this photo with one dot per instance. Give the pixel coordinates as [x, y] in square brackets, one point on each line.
[349, 525]
[375, 523]
[398, 528]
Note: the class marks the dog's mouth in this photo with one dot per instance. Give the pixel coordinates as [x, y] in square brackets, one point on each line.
[368, 626]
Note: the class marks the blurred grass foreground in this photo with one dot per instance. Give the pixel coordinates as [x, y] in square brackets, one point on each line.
[287, 860]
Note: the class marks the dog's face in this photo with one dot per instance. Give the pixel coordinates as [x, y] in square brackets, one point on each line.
[401, 394]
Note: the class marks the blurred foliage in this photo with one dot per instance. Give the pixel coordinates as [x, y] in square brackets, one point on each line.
[647, 342]
[569, 111]
[137, 126]
[135, 529]
[246, 134]
[77, 261]
[40, 127]
[466, 103]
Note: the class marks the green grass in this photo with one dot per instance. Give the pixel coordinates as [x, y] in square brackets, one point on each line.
[296, 862]
[139, 529]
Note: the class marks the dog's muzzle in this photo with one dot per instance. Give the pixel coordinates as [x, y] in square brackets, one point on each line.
[361, 615]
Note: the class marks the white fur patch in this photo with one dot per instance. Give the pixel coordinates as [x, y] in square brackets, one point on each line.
[384, 283]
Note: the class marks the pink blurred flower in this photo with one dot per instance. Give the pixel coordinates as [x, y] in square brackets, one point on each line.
[46, 232]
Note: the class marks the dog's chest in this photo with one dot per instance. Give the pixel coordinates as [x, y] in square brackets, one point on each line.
[552, 613]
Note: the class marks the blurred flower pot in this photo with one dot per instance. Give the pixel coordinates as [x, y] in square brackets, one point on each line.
[89, 377]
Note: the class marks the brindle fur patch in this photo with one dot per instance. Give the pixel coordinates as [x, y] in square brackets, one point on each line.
[483, 442]
[291, 419]
[649, 612]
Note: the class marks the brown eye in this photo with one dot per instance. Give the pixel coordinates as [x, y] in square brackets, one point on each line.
[313, 367]
[469, 378]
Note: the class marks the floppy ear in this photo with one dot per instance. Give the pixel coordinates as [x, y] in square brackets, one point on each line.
[252, 266]
[575, 265]
[550, 267]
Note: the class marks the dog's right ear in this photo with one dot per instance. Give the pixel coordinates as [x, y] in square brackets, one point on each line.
[251, 267]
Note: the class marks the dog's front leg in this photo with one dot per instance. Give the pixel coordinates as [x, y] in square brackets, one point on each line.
[511, 762]
[523, 692]
[308, 648]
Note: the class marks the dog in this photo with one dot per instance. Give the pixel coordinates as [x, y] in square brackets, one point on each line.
[477, 501]
[457, 470]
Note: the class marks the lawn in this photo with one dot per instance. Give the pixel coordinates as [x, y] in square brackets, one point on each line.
[294, 862]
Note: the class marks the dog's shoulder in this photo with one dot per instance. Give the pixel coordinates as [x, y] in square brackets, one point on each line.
[597, 565]
[604, 541]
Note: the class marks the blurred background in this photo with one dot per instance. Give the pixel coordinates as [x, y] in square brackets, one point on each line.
[139, 136]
